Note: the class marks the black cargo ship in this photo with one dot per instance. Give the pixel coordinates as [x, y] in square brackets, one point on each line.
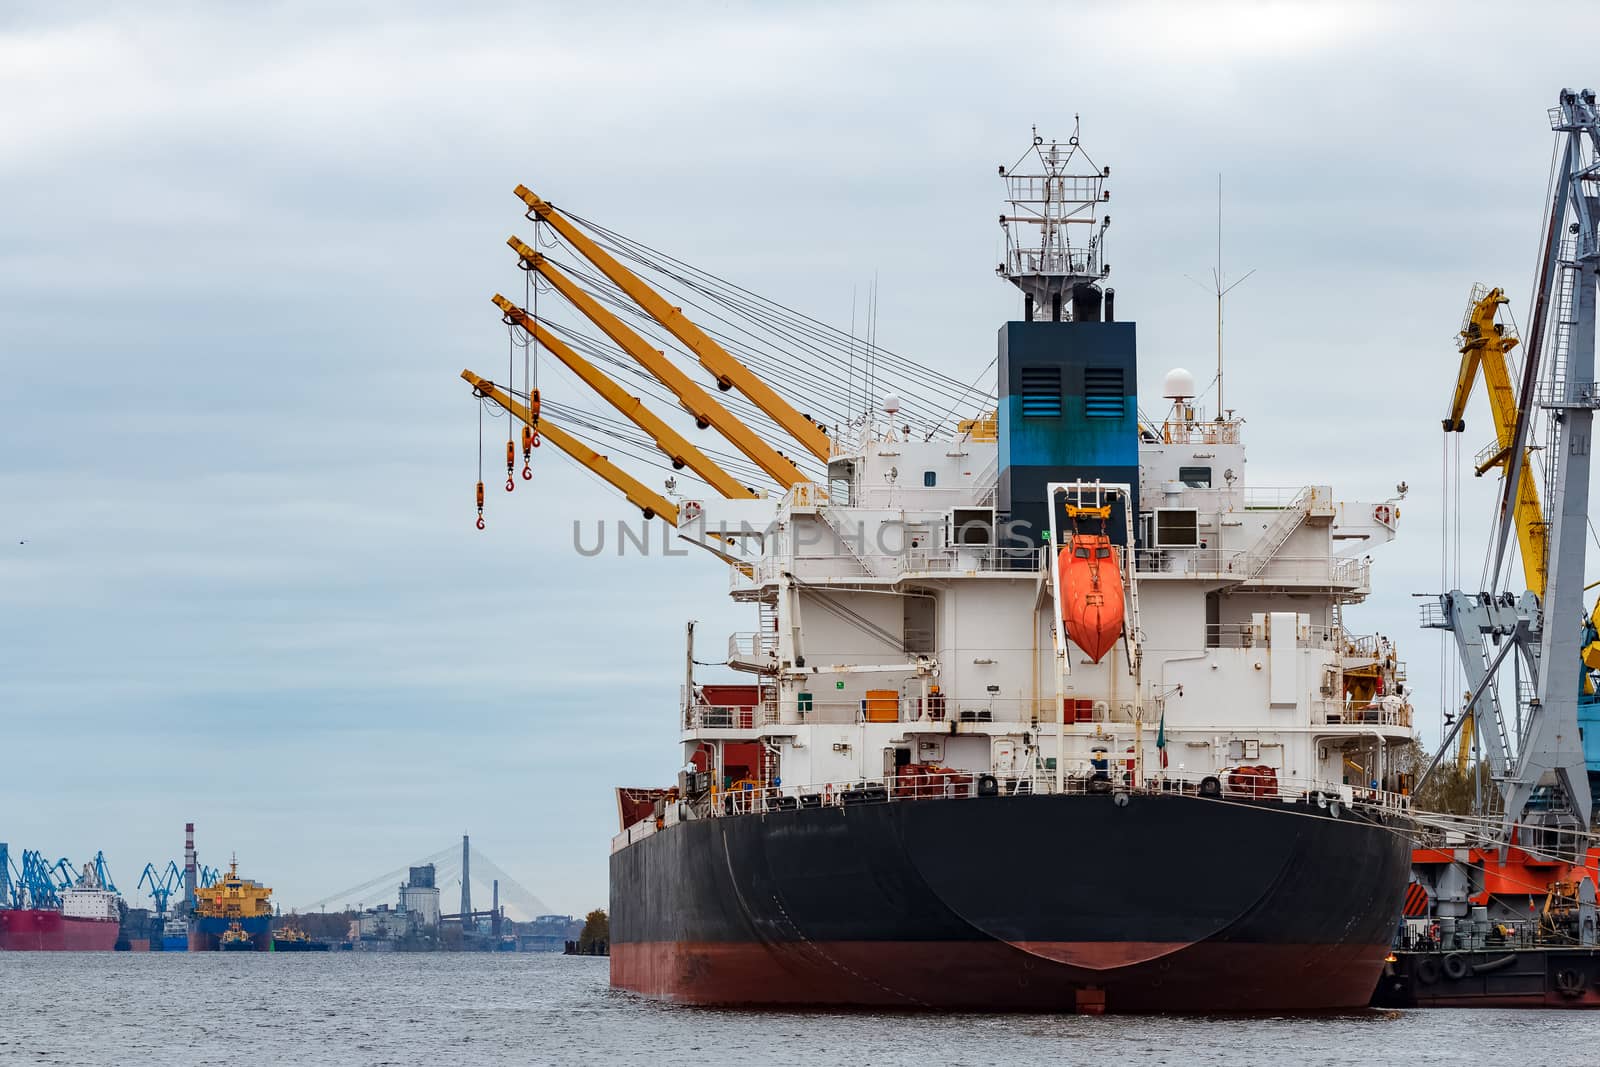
[1047, 709]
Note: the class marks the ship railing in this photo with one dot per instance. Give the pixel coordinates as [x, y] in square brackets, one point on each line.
[940, 708]
[720, 717]
[971, 559]
[1238, 565]
[956, 560]
[1272, 497]
[1479, 935]
[1232, 784]
[1245, 635]
[921, 497]
[1199, 432]
[1360, 713]
[753, 645]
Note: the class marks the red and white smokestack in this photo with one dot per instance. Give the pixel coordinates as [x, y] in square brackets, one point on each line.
[190, 868]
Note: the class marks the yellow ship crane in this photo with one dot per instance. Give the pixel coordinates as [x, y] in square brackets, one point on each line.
[637, 493]
[706, 410]
[676, 447]
[729, 372]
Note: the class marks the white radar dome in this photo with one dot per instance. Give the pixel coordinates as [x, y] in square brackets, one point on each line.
[1178, 384]
[891, 404]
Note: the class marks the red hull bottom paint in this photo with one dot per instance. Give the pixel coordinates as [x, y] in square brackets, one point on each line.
[996, 976]
[32, 930]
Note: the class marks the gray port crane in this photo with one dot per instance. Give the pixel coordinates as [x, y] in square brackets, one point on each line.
[1538, 751]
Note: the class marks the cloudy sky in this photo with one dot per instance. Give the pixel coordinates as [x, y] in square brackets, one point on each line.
[245, 251]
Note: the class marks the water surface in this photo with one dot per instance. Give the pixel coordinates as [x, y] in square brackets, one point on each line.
[350, 1008]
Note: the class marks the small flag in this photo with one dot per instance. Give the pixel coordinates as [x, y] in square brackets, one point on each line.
[1161, 740]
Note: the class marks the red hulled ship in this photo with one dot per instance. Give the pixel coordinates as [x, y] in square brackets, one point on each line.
[86, 919]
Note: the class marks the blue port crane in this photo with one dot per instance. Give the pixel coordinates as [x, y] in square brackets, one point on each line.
[162, 883]
[35, 887]
[63, 873]
[209, 876]
[102, 872]
[8, 888]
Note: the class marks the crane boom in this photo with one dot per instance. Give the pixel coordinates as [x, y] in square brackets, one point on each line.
[674, 444]
[723, 365]
[1484, 347]
[636, 492]
[706, 410]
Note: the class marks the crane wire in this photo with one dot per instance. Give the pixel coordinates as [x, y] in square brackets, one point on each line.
[818, 391]
[723, 291]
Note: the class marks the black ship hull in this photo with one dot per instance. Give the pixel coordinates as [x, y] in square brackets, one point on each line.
[1554, 977]
[1021, 903]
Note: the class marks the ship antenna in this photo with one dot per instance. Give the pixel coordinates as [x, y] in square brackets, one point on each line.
[1218, 282]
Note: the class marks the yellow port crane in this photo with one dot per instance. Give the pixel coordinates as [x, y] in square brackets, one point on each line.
[677, 448]
[729, 372]
[1485, 345]
[700, 404]
[637, 493]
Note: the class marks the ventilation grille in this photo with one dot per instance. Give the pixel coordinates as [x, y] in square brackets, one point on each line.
[1041, 392]
[1102, 393]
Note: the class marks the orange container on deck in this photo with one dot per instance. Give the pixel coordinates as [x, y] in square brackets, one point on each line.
[882, 705]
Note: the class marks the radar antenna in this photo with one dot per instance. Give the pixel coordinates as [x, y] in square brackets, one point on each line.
[1054, 191]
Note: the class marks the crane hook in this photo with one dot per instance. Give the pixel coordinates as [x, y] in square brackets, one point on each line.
[480, 505]
[527, 473]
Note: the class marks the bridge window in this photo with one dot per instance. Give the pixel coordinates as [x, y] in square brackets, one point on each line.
[1195, 477]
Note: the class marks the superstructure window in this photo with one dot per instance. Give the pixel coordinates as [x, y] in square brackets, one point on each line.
[930, 479]
[1041, 392]
[1102, 393]
[1195, 477]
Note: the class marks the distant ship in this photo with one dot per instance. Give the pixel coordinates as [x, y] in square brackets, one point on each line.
[175, 935]
[86, 919]
[234, 939]
[294, 939]
[232, 902]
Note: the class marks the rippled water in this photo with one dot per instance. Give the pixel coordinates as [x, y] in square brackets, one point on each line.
[344, 1008]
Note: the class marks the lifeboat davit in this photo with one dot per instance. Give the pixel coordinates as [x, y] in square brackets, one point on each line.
[1091, 593]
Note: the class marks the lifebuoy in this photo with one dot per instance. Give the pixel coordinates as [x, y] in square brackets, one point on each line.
[827, 794]
[1381, 513]
[1455, 968]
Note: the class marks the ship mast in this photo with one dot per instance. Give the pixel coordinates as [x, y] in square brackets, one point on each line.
[1054, 229]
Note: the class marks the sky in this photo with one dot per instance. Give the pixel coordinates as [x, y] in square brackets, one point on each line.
[245, 252]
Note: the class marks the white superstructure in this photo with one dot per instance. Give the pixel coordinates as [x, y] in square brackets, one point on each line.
[88, 899]
[894, 580]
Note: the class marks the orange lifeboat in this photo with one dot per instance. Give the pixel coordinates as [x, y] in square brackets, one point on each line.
[1091, 593]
